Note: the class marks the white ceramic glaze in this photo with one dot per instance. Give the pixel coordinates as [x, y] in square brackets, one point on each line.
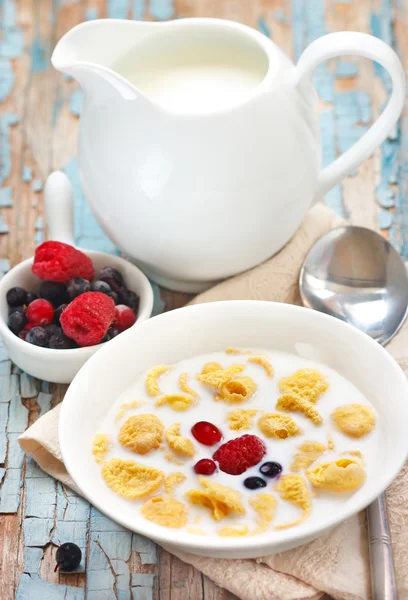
[61, 366]
[205, 328]
[198, 195]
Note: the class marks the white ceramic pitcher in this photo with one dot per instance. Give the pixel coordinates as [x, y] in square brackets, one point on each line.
[199, 144]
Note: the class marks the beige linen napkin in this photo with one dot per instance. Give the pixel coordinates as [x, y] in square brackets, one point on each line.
[336, 563]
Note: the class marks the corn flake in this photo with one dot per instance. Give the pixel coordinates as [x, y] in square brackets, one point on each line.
[217, 379]
[237, 531]
[196, 531]
[173, 459]
[354, 453]
[178, 402]
[237, 390]
[341, 475]
[263, 362]
[355, 420]
[167, 512]
[185, 387]
[152, 379]
[306, 455]
[141, 433]
[127, 406]
[210, 367]
[292, 402]
[219, 499]
[130, 479]
[178, 443]
[276, 425]
[100, 446]
[240, 419]
[172, 481]
[292, 488]
[265, 506]
[306, 383]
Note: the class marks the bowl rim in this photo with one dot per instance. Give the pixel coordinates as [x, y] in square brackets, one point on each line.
[165, 536]
[38, 351]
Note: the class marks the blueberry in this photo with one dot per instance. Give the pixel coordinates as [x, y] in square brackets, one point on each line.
[31, 296]
[68, 557]
[114, 297]
[59, 341]
[58, 312]
[37, 336]
[109, 274]
[16, 322]
[270, 469]
[77, 286]
[254, 483]
[16, 296]
[54, 292]
[100, 286]
[20, 309]
[110, 334]
[132, 301]
[53, 328]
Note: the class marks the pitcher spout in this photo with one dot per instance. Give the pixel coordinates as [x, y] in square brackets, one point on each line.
[91, 49]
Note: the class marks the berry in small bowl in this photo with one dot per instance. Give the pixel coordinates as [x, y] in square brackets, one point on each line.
[35, 295]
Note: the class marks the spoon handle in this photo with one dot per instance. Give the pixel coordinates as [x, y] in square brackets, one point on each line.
[382, 570]
[59, 208]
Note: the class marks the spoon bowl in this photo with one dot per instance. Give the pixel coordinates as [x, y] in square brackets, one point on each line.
[356, 275]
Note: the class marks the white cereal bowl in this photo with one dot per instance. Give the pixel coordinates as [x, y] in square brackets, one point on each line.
[61, 366]
[204, 328]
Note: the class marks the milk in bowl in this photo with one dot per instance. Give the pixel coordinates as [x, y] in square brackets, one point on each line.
[246, 442]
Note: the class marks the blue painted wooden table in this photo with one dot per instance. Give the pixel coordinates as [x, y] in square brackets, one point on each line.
[39, 112]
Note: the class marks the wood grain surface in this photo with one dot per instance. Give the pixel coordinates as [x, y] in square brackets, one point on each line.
[39, 113]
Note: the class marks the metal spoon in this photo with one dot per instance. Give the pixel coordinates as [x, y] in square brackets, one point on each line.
[354, 274]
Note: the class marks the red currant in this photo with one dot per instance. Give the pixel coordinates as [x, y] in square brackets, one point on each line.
[205, 466]
[124, 317]
[206, 433]
[40, 312]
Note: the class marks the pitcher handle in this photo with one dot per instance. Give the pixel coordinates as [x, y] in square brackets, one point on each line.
[361, 44]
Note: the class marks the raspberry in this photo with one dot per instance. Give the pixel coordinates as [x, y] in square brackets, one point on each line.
[206, 433]
[205, 466]
[124, 317]
[40, 312]
[87, 319]
[55, 261]
[238, 455]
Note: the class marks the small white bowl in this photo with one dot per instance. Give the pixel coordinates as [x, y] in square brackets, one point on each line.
[61, 366]
[204, 328]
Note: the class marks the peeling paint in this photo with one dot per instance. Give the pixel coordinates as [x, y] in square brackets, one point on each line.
[6, 197]
[6, 121]
[263, 27]
[117, 9]
[91, 14]
[75, 103]
[138, 9]
[39, 57]
[387, 193]
[37, 185]
[27, 174]
[12, 43]
[161, 9]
